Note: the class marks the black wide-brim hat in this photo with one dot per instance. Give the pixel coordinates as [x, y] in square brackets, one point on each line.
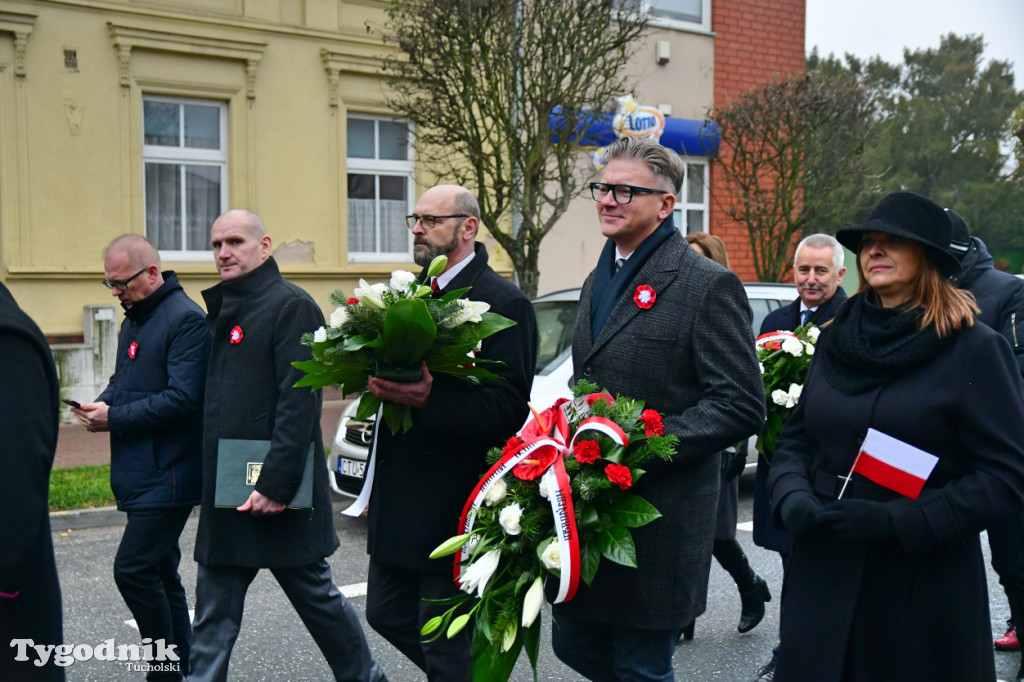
[910, 216]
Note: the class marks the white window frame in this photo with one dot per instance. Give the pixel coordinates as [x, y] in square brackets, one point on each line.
[188, 156]
[703, 26]
[377, 167]
[683, 203]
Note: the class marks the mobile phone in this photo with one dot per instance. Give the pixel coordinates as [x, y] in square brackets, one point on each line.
[72, 403]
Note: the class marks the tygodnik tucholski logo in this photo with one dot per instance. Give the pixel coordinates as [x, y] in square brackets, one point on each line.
[150, 657]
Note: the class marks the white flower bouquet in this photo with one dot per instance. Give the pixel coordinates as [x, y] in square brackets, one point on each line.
[389, 331]
[784, 358]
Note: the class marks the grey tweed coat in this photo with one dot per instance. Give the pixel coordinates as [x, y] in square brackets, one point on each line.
[691, 357]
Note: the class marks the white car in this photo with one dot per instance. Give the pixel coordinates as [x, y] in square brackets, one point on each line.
[556, 319]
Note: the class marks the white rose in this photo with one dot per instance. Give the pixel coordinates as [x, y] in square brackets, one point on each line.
[338, 317]
[552, 555]
[813, 334]
[793, 346]
[477, 574]
[780, 397]
[370, 295]
[509, 517]
[808, 349]
[320, 335]
[794, 392]
[401, 279]
[761, 365]
[471, 311]
[495, 493]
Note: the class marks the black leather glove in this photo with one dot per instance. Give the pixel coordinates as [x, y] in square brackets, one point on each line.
[736, 461]
[858, 520]
[799, 510]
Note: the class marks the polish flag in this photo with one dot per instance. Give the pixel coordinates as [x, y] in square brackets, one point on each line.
[894, 464]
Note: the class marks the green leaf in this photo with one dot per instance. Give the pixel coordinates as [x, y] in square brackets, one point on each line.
[354, 343]
[368, 406]
[632, 511]
[398, 418]
[408, 332]
[531, 642]
[590, 520]
[590, 559]
[616, 545]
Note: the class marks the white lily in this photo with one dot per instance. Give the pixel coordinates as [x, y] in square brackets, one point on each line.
[477, 574]
[532, 602]
[370, 294]
[472, 311]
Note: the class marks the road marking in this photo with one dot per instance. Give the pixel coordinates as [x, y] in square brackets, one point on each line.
[135, 626]
[747, 526]
[353, 590]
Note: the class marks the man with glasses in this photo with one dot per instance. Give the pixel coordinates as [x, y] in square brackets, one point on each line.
[153, 410]
[421, 477]
[661, 323]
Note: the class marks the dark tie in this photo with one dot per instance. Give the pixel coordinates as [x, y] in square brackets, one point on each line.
[806, 315]
[619, 262]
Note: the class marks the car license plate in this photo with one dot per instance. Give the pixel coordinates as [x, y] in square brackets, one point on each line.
[351, 467]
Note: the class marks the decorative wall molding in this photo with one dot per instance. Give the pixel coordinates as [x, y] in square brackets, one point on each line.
[20, 25]
[127, 38]
[335, 63]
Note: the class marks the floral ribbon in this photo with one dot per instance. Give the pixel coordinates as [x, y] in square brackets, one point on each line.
[555, 481]
[768, 340]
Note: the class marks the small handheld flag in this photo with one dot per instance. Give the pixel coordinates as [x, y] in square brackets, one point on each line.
[892, 463]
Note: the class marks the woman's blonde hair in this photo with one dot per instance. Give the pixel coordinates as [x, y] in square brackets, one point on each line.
[946, 308]
[712, 246]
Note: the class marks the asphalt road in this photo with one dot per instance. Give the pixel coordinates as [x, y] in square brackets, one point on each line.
[274, 646]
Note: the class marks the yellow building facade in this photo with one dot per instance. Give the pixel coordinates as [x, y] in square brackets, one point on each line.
[155, 117]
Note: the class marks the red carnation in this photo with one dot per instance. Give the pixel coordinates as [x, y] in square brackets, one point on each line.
[353, 300]
[587, 451]
[653, 425]
[514, 444]
[619, 475]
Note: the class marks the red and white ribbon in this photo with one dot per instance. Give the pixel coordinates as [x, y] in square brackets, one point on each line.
[765, 339]
[556, 480]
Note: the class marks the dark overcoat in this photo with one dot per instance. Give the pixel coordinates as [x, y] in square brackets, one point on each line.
[250, 395]
[28, 431]
[691, 357]
[423, 476]
[913, 608]
[785, 318]
[155, 400]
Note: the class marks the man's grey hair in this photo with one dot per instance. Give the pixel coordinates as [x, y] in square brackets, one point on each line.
[665, 163]
[820, 241]
[465, 202]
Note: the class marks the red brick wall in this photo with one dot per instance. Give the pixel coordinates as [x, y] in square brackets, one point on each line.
[755, 41]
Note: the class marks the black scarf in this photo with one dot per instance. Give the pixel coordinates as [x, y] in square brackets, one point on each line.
[610, 285]
[867, 346]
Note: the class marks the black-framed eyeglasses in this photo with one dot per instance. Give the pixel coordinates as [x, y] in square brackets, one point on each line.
[623, 194]
[429, 222]
[122, 285]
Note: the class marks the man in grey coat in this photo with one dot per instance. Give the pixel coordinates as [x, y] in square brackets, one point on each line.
[661, 323]
[257, 320]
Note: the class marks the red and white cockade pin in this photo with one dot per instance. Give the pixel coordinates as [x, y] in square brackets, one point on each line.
[132, 349]
[236, 335]
[644, 296]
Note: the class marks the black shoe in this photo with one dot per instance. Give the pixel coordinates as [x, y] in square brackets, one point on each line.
[767, 673]
[687, 633]
[753, 599]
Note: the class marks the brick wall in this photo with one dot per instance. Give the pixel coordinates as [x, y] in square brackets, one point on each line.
[755, 41]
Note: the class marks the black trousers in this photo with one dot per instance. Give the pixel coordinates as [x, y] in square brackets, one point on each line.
[1006, 540]
[330, 619]
[146, 573]
[395, 608]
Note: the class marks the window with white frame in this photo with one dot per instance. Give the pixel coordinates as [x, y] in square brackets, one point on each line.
[185, 157]
[380, 186]
[691, 210]
[679, 14]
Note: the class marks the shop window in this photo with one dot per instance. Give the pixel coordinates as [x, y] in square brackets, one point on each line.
[691, 210]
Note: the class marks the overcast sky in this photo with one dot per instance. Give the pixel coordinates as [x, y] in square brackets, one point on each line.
[867, 28]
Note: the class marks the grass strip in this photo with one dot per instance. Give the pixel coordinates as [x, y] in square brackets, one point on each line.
[80, 488]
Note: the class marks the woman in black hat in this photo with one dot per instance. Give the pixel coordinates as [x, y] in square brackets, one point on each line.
[884, 586]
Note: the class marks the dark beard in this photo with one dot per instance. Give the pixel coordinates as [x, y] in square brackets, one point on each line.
[423, 257]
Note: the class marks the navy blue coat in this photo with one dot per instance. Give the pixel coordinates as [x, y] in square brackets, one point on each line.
[1000, 296]
[786, 318]
[156, 400]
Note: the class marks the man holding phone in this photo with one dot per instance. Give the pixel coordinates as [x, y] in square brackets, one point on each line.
[152, 408]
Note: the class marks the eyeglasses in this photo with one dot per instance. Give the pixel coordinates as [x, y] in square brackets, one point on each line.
[429, 222]
[623, 194]
[122, 285]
